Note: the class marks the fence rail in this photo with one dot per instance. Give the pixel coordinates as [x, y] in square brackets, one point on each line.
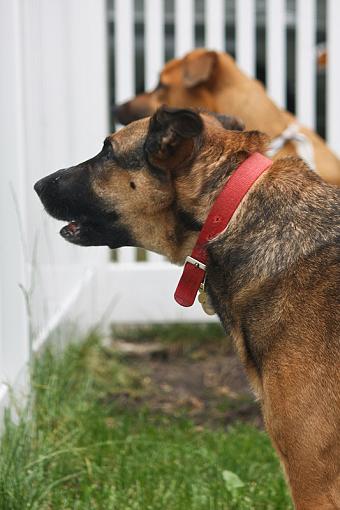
[54, 113]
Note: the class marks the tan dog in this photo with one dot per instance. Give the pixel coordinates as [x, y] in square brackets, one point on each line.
[213, 81]
[273, 275]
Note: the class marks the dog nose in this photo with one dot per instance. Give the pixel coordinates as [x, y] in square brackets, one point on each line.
[121, 113]
[115, 110]
[39, 186]
[45, 182]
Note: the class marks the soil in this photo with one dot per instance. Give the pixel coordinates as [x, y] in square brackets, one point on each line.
[203, 382]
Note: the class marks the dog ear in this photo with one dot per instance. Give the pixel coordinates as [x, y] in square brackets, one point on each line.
[198, 68]
[169, 128]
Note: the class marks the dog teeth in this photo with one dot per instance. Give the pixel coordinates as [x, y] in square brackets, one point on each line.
[70, 231]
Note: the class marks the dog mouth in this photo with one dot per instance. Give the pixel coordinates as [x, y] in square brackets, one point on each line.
[85, 232]
[95, 232]
[72, 231]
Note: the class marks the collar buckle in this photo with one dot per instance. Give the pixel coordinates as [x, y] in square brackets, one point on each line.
[196, 263]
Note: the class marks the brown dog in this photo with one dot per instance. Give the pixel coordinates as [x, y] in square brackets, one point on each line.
[273, 275]
[213, 81]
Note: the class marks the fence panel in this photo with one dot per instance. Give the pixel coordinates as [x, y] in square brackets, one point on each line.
[53, 115]
[13, 319]
[65, 122]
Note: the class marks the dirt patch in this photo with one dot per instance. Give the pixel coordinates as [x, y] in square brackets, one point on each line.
[205, 382]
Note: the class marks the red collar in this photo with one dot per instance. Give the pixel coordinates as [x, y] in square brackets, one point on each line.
[219, 217]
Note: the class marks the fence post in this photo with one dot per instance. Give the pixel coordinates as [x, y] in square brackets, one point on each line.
[14, 345]
[184, 27]
[246, 36]
[125, 72]
[154, 41]
[306, 62]
[154, 57]
[215, 25]
[276, 51]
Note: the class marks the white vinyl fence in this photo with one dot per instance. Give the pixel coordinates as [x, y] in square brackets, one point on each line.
[55, 113]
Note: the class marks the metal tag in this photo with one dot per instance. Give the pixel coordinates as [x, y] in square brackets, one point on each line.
[205, 302]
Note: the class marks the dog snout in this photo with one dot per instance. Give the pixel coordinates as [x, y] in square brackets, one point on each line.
[122, 113]
[115, 109]
[130, 111]
[66, 194]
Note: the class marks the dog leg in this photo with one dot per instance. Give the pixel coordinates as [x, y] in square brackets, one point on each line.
[312, 483]
[317, 503]
[300, 411]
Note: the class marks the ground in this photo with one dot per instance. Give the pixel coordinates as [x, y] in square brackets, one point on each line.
[143, 420]
[182, 375]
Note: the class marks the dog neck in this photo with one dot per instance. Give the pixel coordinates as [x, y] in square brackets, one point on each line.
[218, 219]
[197, 190]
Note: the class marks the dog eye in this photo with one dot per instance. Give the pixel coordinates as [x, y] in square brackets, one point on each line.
[107, 143]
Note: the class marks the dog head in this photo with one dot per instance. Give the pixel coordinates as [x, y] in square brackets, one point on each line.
[193, 81]
[152, 183]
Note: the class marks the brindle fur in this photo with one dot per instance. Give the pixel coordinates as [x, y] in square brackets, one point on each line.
[273, 275]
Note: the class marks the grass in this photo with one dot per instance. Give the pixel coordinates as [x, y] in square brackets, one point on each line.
[79, 451]
[184, 334]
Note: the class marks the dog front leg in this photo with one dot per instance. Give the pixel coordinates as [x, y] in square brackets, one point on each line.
[301, 418]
